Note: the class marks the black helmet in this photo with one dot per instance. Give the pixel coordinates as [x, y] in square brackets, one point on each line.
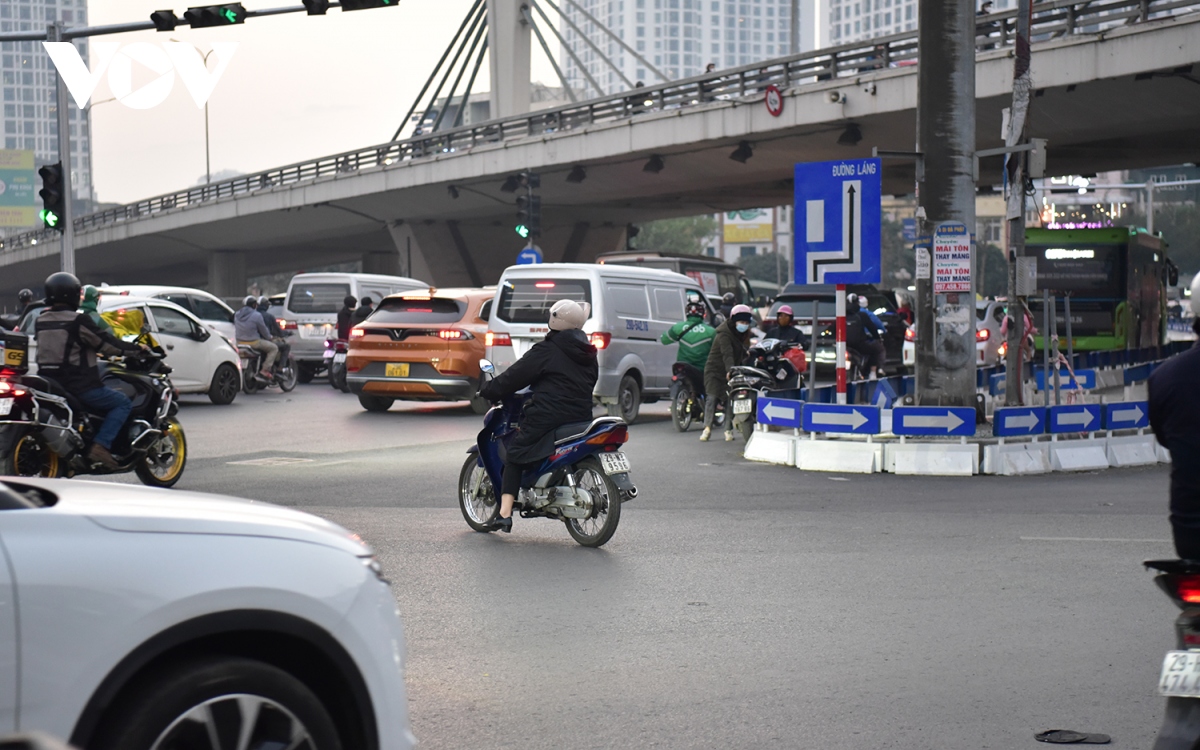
[63, 288]
[728, 298]
[25, 296]
[696, 308]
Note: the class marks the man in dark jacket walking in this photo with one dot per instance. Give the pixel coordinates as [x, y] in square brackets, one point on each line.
[364, 310]
[1175, 419]
[561, 370]
[728, 351]
[345, 318]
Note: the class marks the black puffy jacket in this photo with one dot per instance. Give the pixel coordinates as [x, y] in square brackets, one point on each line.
[1175, 419]
[561, 370]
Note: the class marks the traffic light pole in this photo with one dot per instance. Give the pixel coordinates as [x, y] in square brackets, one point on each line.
[54, 33]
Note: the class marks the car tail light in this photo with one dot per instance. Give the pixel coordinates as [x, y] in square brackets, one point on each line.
[492, 338]
[289, 325]
[617, 436]
[982, 334]
[1003, 350]
[600, 340]
[357, 333]
[544, 285]
[451, 334]
[910, 334]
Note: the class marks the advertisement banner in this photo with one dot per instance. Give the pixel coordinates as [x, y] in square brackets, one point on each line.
[18, 193]
[752, 226]
[951, 258]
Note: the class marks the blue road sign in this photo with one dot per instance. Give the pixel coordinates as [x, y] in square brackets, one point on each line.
[529, 256]
[933, 420]
[1074, 418]
[859, 420]
[780, 412]
[909, 231]
[1131, 415]
[1086, 378]
[837, 222]
[1015, 421]
[997, 384]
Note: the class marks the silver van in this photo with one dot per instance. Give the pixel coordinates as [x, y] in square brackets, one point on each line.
[311, 306]
[631, 308]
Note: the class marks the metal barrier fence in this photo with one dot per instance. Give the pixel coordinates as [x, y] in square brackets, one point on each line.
[1051, 20]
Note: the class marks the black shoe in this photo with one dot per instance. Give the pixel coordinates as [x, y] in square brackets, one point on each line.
[502, 524]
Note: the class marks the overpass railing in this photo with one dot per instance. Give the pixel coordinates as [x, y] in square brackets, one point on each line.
[1052, 19]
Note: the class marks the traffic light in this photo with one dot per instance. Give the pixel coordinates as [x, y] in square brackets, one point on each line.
[366, 4]
[529, 215]
[53, 197]
[215, 15]
[316, 7]
[530, 180]
[164, 20]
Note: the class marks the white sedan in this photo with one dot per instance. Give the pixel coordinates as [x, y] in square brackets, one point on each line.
[141, 619]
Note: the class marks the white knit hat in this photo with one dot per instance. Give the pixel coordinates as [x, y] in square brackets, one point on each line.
[567, 314]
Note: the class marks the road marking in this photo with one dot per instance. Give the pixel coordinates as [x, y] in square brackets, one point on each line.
[1089, 539]
[334, 463]
[272, 461]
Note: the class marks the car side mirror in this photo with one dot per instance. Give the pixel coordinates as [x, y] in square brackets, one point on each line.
[201, 334]
[486, 366]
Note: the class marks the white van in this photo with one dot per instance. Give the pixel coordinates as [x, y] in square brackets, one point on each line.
[312, 303]
[631, 308]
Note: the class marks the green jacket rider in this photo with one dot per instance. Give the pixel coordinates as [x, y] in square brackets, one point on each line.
[91, 298]
[695, 337]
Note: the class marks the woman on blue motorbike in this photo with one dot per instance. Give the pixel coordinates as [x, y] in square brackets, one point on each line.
[561, 371]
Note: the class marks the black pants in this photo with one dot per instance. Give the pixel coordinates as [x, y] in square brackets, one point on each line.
[510, 481]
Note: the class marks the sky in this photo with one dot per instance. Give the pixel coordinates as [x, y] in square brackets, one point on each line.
[298, 87]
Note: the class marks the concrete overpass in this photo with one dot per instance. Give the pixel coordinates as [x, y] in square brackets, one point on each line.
[1115, 91]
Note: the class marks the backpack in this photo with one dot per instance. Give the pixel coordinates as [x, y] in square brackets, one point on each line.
[856, 330]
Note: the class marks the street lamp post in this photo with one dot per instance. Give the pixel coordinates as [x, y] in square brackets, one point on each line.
[207, 157]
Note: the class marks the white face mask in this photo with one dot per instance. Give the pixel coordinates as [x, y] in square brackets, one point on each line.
[743, 327]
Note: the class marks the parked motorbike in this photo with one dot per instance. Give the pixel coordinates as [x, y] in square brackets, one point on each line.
[583, 483]
[286, 373]
[335, 363]
[45, 431]
[1180, 676]
[688, 397]
[772, 367]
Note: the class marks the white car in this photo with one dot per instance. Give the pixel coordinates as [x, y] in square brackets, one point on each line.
[989, 314]
[142, 619]
[207, 307]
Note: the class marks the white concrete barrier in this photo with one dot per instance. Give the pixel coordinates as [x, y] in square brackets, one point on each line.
[771, 448]
[1132, 450]
[1088, 454]
[844, 456]
[932, 459]
[1015, 459]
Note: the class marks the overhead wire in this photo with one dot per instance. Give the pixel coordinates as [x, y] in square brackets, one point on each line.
[567, 48]
[546, 48]
[483, 27]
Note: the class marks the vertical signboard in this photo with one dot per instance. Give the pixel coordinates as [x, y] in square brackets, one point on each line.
[18, 194]
[837, 234]
[951, 258]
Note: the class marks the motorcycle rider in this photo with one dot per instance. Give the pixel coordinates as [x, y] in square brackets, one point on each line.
[561, 370]
[91, 299]
[728, 351]
[695, 339]
[345, 318]
[1175, 419]
[250, 330]
[277, 333]
[68, 342]
[784, 328]
[863, 335]
[727, 303]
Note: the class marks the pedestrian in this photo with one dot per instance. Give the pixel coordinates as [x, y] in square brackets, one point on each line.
[728, 351]
[1175, 419]
[364, 310]
[345, 317]
[905, 311]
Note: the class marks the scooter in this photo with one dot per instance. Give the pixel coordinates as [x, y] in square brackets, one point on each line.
[688, 398]
[1180, 677]
[772, 367]
[335, 363]
[583, 483]
[285, 372]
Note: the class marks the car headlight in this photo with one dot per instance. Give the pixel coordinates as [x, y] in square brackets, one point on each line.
[372, 564]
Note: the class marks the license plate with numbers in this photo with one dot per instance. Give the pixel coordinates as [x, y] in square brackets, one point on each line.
[1180, 675]
[614, 463]
[6, 405]
[339, 358]
[396, 370]
[743, 406]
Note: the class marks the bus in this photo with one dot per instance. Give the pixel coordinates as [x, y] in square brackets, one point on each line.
[1117, 278]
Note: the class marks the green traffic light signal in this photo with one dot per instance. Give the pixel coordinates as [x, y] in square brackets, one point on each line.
[49, 218]
[523, 231]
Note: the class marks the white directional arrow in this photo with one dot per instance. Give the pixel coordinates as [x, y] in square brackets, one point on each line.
[853, 420]
[947, 422]
[1083, 419]
[1128, 415]
[778, 412]
[1023, 422]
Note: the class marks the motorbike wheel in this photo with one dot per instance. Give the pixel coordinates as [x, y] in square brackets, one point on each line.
[480, 405]
[287, 376]
[162, 466]
[31, 457]
[476, 496]
[600, 527]
[250, 382]
[681, 409]
[747, 429]
[225, 386]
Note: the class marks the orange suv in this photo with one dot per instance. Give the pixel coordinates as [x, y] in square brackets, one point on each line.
[420, 346]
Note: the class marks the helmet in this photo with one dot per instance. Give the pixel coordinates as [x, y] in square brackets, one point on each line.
[250, 301]
[62, 288]
[696, 309]
[741, 313]
[785, 310]
[264, 303]
[728, 298]
[852, 303]
[567, 314]
[25, 296]
[91, 294]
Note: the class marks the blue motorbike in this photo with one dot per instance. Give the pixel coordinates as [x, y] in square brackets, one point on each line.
[582, 483]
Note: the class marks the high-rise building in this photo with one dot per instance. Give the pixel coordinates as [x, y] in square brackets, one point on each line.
[29, 95]
[679, 37]
[855, 20]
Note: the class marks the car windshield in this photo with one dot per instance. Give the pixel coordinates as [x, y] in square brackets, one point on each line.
[419, 311]
[316, 297]
[530, 300]
[802, 309]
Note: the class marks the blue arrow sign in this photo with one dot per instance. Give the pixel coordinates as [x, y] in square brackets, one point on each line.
[1132, 415]
[1074, 418]
[933, 420]
[1019, 420]
[780, 412]
[837, 222]
[858, 420]
[1086, 378]
[529, 256]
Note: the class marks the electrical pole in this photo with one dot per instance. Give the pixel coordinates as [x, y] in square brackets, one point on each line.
[63, 104]
[794, 33]
[1018, 133]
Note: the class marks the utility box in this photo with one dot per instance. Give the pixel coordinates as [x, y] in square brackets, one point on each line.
[1037, 158]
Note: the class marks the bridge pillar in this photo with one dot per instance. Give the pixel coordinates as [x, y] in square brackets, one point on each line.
[386, 262]
[508, 49]
[227, 273]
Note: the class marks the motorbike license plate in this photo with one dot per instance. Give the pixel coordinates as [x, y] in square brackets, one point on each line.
[396, 370]
[614, 463]
[5, 406]
[1180, 675]
[339, 358]
[743, 406]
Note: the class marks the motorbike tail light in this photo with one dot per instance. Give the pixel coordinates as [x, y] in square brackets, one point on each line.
[357, 333]
[492, 338]
[910, 334]
[1185, 588]
[8, 389]
[600, 340]
[982, 334]
[616, 436]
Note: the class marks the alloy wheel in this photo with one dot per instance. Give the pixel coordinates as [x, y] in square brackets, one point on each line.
[238, 721]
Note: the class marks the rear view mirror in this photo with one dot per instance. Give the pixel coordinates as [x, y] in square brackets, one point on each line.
[201, 334]
[486, 366]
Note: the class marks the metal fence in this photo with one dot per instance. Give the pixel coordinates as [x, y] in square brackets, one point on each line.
[1051, 20]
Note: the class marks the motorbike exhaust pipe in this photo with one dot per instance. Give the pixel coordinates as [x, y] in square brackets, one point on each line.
[632, 492]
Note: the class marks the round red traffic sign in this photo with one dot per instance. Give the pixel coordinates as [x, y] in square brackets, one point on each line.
[774, 100]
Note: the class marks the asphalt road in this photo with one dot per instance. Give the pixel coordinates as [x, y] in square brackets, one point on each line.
[738, 605]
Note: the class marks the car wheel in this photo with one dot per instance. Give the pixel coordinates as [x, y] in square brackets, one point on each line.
[225, 385]
[305, 373]
[629, 400]
[375, 403]
[212, 703]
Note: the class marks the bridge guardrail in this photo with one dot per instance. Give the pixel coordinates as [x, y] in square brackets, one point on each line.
[1051, 20]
